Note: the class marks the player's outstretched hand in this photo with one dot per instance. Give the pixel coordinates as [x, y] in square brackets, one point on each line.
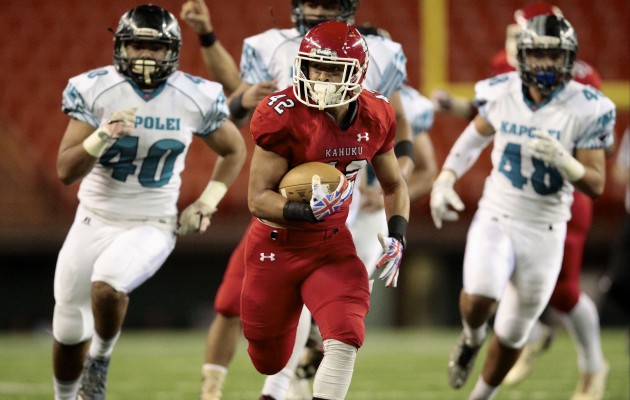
[442, 196]
[390, 260]
[323, 204]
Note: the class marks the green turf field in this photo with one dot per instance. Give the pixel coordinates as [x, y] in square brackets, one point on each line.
[393, 364]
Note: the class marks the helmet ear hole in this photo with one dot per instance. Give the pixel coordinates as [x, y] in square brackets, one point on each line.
[147, 23]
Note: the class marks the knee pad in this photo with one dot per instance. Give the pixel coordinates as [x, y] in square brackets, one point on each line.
[72, 324]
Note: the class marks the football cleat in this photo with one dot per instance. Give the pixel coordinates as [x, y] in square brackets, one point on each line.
[592, 386]
[461, 362]
[211, 384]
[525, 362]
[93, 379]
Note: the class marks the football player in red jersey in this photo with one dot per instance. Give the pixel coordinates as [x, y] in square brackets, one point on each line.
[302, 253]
[578, 312]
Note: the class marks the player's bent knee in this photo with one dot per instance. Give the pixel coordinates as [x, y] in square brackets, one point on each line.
[565, 297]
[265, 359]
[71, 324]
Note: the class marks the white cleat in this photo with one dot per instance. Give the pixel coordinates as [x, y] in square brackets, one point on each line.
[592, 386]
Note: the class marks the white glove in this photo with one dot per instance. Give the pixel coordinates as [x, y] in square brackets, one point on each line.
[120, 123]
[547, 148]
[196, 217]
[442, 196]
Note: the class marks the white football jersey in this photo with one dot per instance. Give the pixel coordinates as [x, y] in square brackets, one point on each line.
[520, 186]
[418, 110]
[270, 55]
[139, 175]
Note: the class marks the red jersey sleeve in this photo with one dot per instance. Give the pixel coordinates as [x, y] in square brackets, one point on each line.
[268, 129]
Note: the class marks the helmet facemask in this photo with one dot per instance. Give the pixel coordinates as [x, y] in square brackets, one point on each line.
[320, 94]
[554, 37]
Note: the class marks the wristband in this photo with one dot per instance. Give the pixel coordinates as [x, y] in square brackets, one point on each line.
[236, 107]
[299, 211]
[213, 193]
[207, 39]
[95, 144]
[397, 228]
[405, 148]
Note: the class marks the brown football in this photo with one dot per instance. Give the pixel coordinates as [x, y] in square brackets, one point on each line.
[296, 184]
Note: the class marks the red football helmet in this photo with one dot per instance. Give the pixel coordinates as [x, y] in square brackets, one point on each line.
[339, 45]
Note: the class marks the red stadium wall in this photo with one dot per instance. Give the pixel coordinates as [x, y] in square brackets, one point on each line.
[48, 42]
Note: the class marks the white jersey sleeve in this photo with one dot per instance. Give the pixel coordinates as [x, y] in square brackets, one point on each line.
[519, 185]
[418, 110]
[387, 68]
[269, 56]
[138, 176]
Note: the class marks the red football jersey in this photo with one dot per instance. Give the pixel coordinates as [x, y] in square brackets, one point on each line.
[301, 134]
[582, 71]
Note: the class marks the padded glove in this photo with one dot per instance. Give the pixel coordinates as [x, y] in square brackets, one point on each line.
[324, 205]
[442, 196]
[390, 260]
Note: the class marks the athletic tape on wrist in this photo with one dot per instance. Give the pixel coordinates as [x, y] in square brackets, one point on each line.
[213, 193]
[94, 145]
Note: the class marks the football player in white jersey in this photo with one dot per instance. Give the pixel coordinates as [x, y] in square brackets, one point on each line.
[549, 136]
[130, 128]
[266, 66]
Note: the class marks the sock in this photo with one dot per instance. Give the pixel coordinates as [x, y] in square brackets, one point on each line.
[102, 348]
[333, 377]
[276, 386]
[475, 336]
[483, 391]
[583, 325]
[66, 390]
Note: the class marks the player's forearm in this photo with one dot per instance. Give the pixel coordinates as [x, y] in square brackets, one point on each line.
[221, 66]
[397, 200]
[73, 164]
[592, 183]
[420, 184]
[229, 165]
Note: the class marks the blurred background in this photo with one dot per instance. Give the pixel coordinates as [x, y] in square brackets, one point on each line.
[448, 43]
